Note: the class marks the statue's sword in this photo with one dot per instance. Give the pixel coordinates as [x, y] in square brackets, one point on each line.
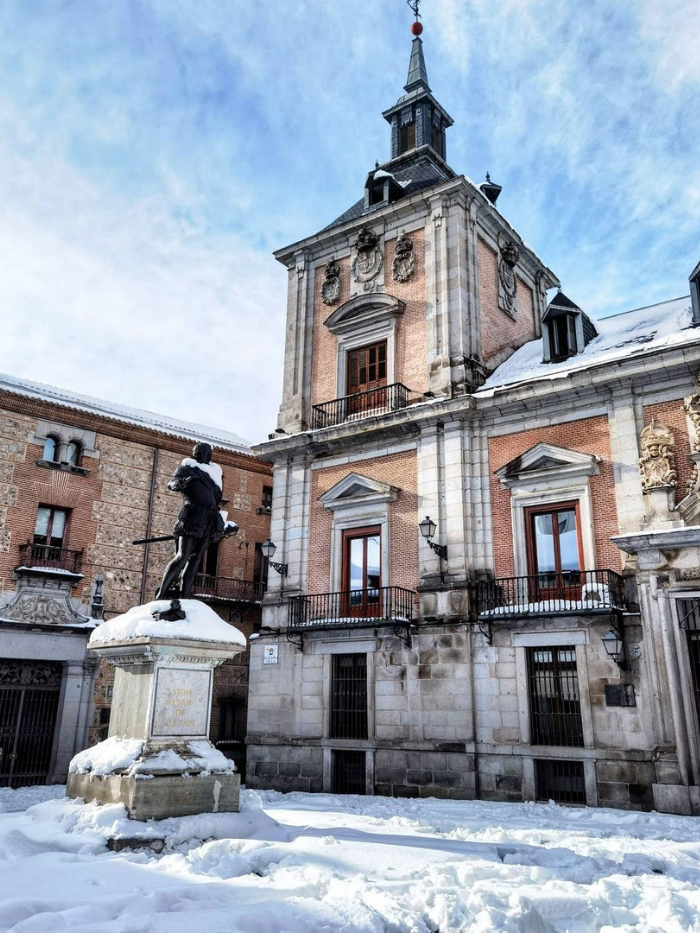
[154, 540]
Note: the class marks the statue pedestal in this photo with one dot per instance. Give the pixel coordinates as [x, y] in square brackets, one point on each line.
[158, 760]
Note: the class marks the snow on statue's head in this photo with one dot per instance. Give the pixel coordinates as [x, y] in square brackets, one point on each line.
[202, 452]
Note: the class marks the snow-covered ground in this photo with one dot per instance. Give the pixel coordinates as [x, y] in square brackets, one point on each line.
[300, 863]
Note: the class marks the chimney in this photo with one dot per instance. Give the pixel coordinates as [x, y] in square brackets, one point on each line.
[695, 294]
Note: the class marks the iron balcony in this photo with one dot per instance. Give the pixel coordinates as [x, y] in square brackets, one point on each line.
[49, 557]
[227, 589]
[361, 405]
[574, 592]
[391, 605]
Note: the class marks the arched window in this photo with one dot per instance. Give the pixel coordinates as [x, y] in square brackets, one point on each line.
[52, 445]
[73, 452]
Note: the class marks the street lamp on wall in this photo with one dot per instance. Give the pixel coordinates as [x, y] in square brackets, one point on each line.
[268, 549]
[428, 529]
[615, 648]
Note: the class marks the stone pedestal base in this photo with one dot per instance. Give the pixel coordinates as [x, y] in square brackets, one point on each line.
[158, 760]
[159, 797]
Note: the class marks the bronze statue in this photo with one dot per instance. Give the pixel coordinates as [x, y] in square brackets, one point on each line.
[200, 522]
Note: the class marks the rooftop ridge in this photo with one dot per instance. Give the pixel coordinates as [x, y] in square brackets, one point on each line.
[124, 413]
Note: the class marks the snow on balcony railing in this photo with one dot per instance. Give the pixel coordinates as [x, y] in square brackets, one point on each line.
[388, 604]
[574, 591]
[227, 589]
[49, 557]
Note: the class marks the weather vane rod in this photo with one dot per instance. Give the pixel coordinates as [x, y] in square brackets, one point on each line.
[414, 5]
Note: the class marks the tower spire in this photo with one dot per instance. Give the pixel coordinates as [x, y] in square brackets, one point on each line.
[417, 72]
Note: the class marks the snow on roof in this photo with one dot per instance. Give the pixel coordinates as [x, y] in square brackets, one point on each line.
[146, 419]
[620, 336]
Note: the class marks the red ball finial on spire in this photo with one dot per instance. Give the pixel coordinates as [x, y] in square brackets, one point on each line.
[416, 28]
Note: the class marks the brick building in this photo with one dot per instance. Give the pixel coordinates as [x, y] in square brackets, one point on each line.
[539, 635]
[80, 479]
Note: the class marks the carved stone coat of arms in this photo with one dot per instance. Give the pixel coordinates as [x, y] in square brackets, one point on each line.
[368, 260]
[506, 277]
[405, 259]
[330, 289]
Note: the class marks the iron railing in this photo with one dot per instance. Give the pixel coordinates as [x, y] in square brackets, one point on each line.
[348, 770]
[46, 555]
[574, 591]
[555, 702]
[361, 405]
[228, 589]
[348, 714]
[561, 781]
[391, 604]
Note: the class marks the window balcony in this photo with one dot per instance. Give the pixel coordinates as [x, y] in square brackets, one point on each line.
[573, 592]
[387, 605]
[227, 589]
[49, 557]
[377, 401]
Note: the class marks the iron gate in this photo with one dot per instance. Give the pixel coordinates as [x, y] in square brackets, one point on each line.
[348, 718]
[555, 705]
[29, 694]
[689, 613]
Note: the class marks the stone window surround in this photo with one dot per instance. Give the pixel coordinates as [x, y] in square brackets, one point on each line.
[382, 330]
[371, 507]
[579, 639]
[363, 320]
[685, 680]
[65, 433]
[566, 478]
[541, 494]
[366, 646]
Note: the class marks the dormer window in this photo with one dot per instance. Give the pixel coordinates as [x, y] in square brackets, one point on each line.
[566, 330]
[695, 293]
[562, 336]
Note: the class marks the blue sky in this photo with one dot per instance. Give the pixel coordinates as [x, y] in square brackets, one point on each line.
[153, 153]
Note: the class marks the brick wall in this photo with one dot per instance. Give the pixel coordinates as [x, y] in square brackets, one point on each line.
[410, 365]
[109, 509]
[500, 334]
[398, 469]
[589, 435]
[672, 415]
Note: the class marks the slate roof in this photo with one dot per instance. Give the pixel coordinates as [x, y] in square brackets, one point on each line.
[620, 336]
[111, 410]
[416, 176]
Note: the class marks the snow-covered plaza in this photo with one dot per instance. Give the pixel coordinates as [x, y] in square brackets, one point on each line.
[300, 862]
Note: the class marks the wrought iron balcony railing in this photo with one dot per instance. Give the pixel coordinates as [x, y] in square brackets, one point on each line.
[228, 589]
[50, 557]
[361, 405]
[570, 592]
[388, 604]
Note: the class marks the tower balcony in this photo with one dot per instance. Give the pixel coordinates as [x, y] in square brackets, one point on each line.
[377, 401]
[572, 592]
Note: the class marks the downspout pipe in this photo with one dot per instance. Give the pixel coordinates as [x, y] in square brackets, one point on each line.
[149, 522]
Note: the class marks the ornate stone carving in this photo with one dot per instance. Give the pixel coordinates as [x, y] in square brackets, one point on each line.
[656, 462]
[507, 282]
[330, 289]
[39, 609]
[405, 259]
[691, 406]
[368, 260]
[30, 673]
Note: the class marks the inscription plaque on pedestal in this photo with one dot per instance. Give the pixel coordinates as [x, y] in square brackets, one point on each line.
[182, 702]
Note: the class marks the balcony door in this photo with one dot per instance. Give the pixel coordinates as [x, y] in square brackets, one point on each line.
[49, 535]
[362, 572]
[366, 378]
[555, 553]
